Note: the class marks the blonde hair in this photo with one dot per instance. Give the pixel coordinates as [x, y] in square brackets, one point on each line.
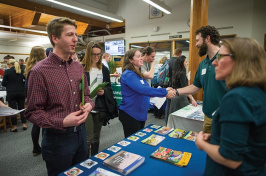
[87, 60]
[162, 60]
[15, 64]
[250, 63]
[37, 54]
[127, 65]
[106, 55]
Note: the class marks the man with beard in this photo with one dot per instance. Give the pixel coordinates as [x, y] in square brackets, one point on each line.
[207, 40]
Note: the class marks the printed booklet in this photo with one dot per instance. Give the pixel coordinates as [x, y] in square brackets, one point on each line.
[174, 157]
[182, 134]
[153, 140]
[164, 130]
[124, 162]
[102, 172]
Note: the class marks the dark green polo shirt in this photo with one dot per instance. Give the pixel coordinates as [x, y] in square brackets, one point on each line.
[213, 90]
[239, 128]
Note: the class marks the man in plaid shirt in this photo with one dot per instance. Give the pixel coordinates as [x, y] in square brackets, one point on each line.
[54, 100]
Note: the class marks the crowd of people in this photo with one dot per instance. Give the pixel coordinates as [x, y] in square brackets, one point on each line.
[57, 84]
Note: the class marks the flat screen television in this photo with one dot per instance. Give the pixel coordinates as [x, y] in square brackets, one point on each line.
[115, 47]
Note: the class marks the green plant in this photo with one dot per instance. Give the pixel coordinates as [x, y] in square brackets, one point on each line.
[112, 65]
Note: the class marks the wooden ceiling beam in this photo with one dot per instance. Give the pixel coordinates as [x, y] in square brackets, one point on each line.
[53, 11]
[36, 18]
[117, 24]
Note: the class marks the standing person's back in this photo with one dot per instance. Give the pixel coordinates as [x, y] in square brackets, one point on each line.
[171, 62]
[14, 81]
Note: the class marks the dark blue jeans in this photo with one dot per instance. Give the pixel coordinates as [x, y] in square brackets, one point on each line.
[60, 151]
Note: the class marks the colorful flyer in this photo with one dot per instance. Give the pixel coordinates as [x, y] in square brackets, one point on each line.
[140, 134]
[155, 126]
[102, 155]
[88, 163]
[147, 130]
[124, 143]
[73, 171]
[114, 149]
[133, 138]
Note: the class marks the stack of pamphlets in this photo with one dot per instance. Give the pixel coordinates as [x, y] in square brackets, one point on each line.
[174, 157]
[182, 134]
[153, 140]
[124, 162]
[164, 130]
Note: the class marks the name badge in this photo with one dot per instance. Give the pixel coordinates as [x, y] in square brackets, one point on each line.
[203, 71]
[142, 82]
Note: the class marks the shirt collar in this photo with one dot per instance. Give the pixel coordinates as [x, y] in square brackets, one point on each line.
[207, 60]
[58, 60]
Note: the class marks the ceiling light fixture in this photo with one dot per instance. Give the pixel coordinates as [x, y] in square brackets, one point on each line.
[90, 10]
[23, 29]
[159, 5]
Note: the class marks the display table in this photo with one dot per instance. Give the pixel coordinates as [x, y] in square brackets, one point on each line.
[153, 167]
[189, 118]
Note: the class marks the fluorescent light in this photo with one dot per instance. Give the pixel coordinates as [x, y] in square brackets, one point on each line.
[23, 29]
[159, 5]
[90, 10]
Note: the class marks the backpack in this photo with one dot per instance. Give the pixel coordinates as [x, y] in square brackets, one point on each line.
[161, 75]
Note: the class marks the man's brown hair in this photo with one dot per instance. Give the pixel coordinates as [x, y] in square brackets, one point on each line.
[55, 27]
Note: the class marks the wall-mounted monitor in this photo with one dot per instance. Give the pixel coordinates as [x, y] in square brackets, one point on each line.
[115, 47]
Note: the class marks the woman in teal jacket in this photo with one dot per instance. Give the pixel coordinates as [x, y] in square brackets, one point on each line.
[136, 94]
[237, 143]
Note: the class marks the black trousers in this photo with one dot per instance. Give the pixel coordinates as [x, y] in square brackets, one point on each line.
[16, 100]
[60, 151]
[35, 134]
[130, 125]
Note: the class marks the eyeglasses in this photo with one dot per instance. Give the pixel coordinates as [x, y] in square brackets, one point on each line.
[218, 57]
[96, 55]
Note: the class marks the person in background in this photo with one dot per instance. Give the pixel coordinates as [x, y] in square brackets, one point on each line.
[147, 68]
[96, 73]
[237, 143]
[74, 56]
[55, 99]
[105, 60]
[6, 58]
[37, 54]
[207, 40]
[136, 94]
[179, 80]
[14, 81]
[2, 104]
[158, 113]
[48, 51]
[171, 62]
[21, 64]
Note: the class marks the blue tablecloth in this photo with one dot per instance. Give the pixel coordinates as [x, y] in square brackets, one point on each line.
[153, 167]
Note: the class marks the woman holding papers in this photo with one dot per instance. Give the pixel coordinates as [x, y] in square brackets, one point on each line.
[136, 94]
[14, 81]
[37, 54]
[96, 74]
[237, 142]
[180, 80]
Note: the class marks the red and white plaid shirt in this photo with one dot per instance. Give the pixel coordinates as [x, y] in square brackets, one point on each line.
[54, 91]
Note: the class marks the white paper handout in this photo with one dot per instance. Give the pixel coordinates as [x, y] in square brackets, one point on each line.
[6, 111]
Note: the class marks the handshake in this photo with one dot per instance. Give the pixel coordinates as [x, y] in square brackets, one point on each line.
[170, 92]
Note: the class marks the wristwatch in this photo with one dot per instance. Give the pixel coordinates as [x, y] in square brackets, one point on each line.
[176, 92]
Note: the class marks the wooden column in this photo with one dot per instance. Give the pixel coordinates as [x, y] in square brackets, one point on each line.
[198, 18]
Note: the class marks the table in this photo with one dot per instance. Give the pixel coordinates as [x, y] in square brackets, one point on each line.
[189, 118]
[153, 167]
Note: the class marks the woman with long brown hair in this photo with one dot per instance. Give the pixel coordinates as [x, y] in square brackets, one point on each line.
[136, 94]
[37, 54]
